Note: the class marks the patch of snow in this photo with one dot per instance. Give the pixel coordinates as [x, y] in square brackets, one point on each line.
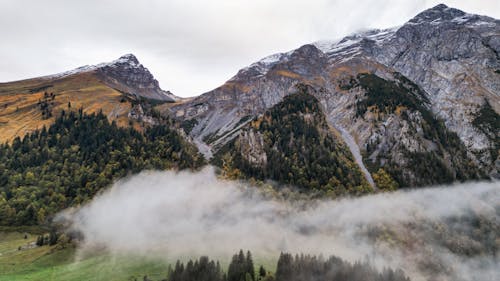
[271, 59]
[349, 44]
[335, 46]
[483, 24]
[128, 60]
[437, 21]
[461, 20]
[264, 65]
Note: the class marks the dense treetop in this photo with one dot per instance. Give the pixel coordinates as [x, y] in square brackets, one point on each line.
[300, 149]
[69, 162]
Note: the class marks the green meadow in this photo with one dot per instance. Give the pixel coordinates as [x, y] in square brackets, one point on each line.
[20, 261]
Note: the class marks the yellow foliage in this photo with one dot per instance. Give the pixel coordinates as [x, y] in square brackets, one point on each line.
[384, 181]
[288, 74]
[237, 86]
[400, 109]
[256, 123]
[228, 170]
[20, 112]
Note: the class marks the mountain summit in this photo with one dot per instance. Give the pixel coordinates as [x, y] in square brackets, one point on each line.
[439, 12]
[116, 88]
[126, 74]
[419, 101]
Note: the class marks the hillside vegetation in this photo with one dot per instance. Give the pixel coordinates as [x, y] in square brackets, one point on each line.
[24, 107]
[67, 163]
[293, 144]
[434, 154]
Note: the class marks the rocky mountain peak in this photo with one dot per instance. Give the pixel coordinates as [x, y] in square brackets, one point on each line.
[439, 12]
[307, 50]
[126, 61]
[436, 72]
[128, 75]
[129, 58]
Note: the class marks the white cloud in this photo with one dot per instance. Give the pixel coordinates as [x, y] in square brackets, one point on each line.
[191, 214]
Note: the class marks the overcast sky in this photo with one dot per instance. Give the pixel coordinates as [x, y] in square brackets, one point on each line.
[191, 46]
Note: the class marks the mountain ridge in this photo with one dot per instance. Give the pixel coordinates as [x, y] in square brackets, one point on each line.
[449, 55]
[427, 89]
[117, 88]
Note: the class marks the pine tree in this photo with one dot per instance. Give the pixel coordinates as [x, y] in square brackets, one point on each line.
[262, 272]
[249, 265]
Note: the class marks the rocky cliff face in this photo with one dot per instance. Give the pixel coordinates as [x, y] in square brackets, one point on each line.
[453, 56]
[128, 75]
[399, 97]
[292, 143]
[125, 74]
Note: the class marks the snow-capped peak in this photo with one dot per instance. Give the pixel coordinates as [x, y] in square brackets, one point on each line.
[262, 66]
[335, 46]
[126, 61]
[444, 14]
[437, 13]
[128, 58]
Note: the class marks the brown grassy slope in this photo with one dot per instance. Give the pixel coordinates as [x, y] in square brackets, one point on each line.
[20, 113]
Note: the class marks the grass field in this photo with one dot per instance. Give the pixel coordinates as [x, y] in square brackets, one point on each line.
[48, 263]
[52, 263]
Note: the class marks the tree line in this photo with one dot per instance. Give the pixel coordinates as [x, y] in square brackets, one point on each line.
[289, 268]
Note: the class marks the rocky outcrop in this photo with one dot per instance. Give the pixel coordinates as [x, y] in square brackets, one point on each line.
[453, 56]
[252, 148]
[292, 143]
[128, 75]
[125, 74]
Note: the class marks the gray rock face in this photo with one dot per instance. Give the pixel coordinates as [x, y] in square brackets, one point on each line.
[451, 57]
[128, 75]
[125, 74]
[252, 147]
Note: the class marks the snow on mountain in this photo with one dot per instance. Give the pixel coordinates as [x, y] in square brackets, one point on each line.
[126, 74]
[127, 61]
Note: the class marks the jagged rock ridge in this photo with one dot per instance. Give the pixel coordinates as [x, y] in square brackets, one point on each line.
[128, 75]
[125, 74]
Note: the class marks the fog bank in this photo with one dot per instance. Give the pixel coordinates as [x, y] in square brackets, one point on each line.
[445, 233]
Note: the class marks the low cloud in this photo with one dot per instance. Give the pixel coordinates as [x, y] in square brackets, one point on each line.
[446, 233]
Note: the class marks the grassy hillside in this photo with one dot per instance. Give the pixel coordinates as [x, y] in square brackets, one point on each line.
[55, 263]
[21, 112]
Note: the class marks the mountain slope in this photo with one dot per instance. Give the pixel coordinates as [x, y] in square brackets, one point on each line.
[76, 157]
[115, 88]
[433, 77]
[292, 143]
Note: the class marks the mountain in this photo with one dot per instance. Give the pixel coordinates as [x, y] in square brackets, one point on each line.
[292, 143]
[419, 102]
[116, 88]
[66, 137]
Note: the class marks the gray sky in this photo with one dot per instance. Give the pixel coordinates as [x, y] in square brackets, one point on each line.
[191, 46]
